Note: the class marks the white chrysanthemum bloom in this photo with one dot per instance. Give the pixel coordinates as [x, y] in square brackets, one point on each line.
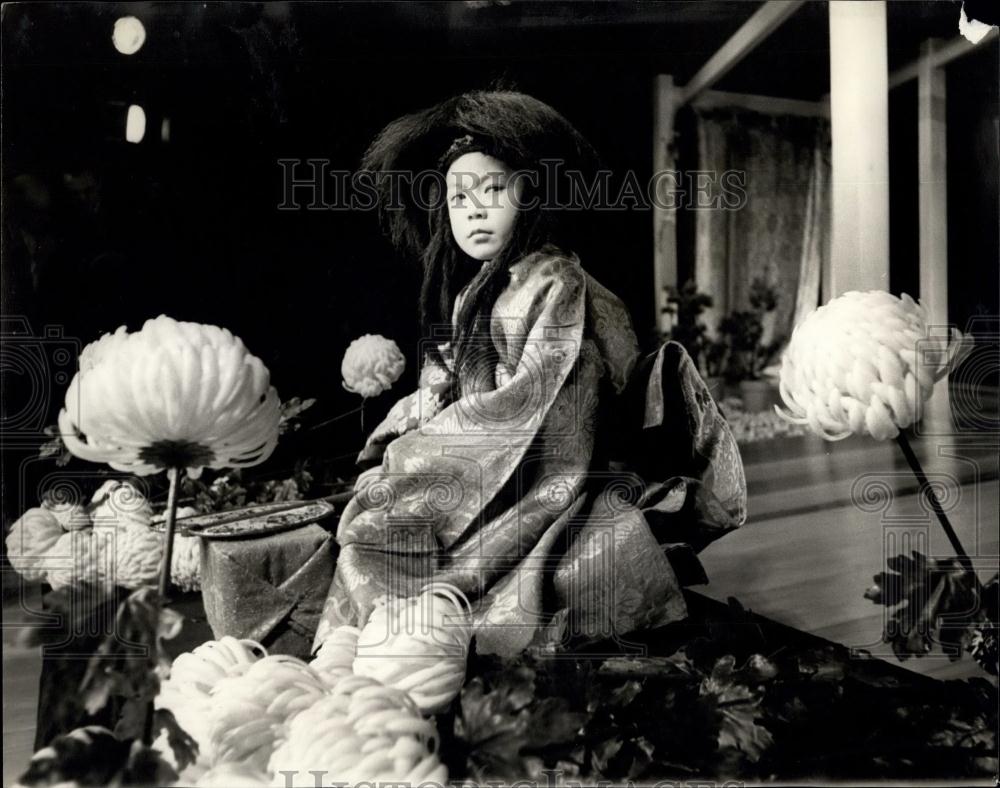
[193, 676]
[30, 540]
[118, 504]
[233, 775]
[363, 733]
[78, 558]
[249, 711]
[173, 395]
[371, 365]
[335, 658]
[185, 563]
[113, 544]
[66, 546]
[419, 645]
[863, 364]
[71, 516]
[138, 551]
[125, 551]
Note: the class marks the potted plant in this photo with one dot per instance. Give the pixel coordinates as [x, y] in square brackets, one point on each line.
[716, 358]
[764, 301]
[685, 307]
[748, 351]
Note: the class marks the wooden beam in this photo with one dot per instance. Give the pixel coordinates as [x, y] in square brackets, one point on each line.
[942, 55]
[859, 114]
[664, 212]
[952, 50]
[932, 162]
[765, 21]
[768, 105]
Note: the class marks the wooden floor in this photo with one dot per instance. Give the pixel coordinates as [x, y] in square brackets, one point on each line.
[21, 669]
[824, 519]
[804, 559]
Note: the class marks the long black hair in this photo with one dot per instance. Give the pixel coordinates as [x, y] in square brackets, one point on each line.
[526, 135]
[448, 270]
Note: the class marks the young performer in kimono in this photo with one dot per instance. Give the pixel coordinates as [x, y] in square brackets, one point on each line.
[561, 481]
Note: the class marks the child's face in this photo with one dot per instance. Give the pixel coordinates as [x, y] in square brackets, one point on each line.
[483, 200]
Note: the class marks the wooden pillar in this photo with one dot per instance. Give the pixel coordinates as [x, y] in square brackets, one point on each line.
[859, 115]
[933, 188]
[933, 202]
[664, 212]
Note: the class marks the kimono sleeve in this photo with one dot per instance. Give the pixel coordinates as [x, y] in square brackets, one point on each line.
[432, 396]
[686, 454]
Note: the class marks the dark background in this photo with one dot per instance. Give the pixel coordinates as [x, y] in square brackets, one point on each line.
[98, 232]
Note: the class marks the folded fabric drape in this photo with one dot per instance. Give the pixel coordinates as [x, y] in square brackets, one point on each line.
[268, 589]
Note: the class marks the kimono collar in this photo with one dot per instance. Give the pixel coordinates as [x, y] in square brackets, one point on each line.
[518, 269]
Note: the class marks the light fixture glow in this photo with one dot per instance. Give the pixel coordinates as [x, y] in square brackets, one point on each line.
[135, 124]
[129, 35]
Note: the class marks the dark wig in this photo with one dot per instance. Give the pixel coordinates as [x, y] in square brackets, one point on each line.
[520, 131]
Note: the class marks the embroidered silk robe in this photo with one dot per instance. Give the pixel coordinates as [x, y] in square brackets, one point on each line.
[565, 491]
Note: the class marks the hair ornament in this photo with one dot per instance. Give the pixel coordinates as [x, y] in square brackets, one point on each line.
[460, 146]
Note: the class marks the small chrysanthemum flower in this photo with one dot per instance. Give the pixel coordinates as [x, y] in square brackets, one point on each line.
[371, 365]
[863, 364]
[172, 395]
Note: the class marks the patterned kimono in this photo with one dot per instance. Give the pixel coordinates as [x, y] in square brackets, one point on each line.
[565, 491]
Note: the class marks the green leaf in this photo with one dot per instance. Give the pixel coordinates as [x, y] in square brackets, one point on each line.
[739, 706]
[70, 609]
[622, 696]
[984, 646]
[935, 603]
[54, 447]
[493, 724]
[184, 747]
[99, 685]
[128, 662]
[287, 490]
[291, 411]
[820, 665]
[169, 624]
[132, 720]
[84, 756]
[507, 730]
[600, 757]
[146, 767]
[760, 668]
[553, 722]
[741, 730]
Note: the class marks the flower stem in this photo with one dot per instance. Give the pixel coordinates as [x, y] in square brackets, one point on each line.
[173, 474]
[336, 418]
[168, 533]
[928, 490]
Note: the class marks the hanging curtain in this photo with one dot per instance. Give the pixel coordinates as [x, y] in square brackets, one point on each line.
[780, 231]
[815, 255]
